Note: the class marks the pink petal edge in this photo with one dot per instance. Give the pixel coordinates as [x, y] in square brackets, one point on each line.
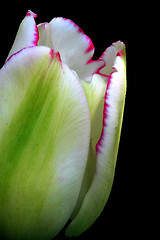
[106, 105]
[105, 116]
[90, 43]
[36, 33]
[30, 13]
[90, 48]
[16, 54]
[89, 51]
[52, 54]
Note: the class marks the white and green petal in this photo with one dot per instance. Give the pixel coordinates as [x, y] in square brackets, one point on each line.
[27, 35]
[104, 159]
[76, 48]
[44, 140]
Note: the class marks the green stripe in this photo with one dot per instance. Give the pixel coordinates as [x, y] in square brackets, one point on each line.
[26, 141]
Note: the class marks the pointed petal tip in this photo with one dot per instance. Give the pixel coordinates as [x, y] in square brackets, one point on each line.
[90, 45]
[120, 47]
[27, 35]
[30, 13]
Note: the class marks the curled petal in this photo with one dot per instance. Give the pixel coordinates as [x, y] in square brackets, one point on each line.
[76, 48]
[106, 150]
[44, 140]
[27, 34]
[109, 57]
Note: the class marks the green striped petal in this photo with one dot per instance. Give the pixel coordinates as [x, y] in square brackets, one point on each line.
[44, 140]
[103, 155]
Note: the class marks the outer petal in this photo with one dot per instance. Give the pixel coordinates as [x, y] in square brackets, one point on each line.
[76, 49]
[27, 34]
[44, 139]
[106, 149]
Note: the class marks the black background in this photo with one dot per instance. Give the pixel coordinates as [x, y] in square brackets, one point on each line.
[104, 23]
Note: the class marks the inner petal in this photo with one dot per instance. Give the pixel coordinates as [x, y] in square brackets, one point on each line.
[76, 48]
[109, 57]
[95, 92]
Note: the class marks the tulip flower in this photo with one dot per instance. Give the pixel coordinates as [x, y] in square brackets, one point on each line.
[60, 122]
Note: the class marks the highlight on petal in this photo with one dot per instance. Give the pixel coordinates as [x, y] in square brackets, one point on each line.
[97, 194]
[27, 34]
[76, 48]
[44, 140]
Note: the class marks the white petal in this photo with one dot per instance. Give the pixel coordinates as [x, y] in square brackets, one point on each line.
[76, 49]
[27, 34]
